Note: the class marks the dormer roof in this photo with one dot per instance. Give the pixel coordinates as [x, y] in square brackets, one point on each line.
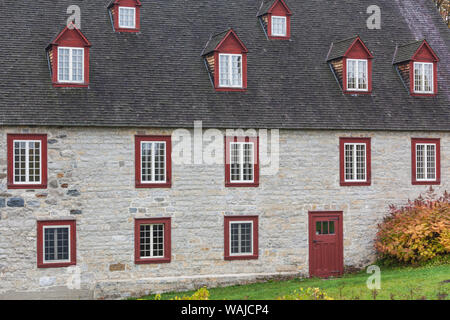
[215, 41]
[114, 2]
[70, 35]
[268, 5]
[340, 48]
[409, 51]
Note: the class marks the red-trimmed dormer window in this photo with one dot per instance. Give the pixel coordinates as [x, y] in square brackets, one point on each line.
[226, 61]
[275, 17]
[416, 63]
[68, 57]
[125, 15]
[351, 62]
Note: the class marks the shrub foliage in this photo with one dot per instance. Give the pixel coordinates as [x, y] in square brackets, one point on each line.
[308, 294]
[416, 232]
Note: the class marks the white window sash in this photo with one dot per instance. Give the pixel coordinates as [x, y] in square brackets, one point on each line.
[43, 243]
[152, 230]
[71, 65]
[240, 239]
[230, 70]
[354, 162]
[284, 26]
[27, 162]
[241, 162]
[421, 66]
[356, 74]
[426, 164]
[153, 169]
[134, 17]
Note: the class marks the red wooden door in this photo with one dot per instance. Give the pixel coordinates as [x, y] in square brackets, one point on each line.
[325, 244]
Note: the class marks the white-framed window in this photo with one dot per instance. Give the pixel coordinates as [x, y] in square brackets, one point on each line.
[153, 161]
[241, 238]
[151, 241]
[425, 161]
[27, 161]
[127, 17]
[423, 77]
[56, 244]
[357, 75]
[279, 26]
[242, 160]
[70, 64]
[230, 70]
[355, 164]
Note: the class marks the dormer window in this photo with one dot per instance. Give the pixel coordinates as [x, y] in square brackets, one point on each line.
[275, 18]
[225, 58]
[70, 65]
[230, 66]
[357, 79]
[416, 64]
[351, 63]
[125, 15]
[423, 77]
[279, 26]
[68, 57]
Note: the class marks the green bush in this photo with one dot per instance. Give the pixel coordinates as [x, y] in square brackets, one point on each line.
[416, 233]
[308, 294]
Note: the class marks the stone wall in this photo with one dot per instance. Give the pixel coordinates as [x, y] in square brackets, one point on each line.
[91, 179]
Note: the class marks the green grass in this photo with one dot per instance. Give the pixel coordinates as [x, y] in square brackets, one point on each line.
[396, 283]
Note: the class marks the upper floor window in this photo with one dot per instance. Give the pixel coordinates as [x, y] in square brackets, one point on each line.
[153, 161]
[279, 26]
[56, 243]
[152, 240]
[242, 162]
[426, 166]
[357, 75]
[355, 161]
[27, 161]
[71, 65]
[230, 70]
[127, 17]
[423, 77]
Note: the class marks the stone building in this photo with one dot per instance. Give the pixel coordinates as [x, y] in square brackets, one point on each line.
[119, 176]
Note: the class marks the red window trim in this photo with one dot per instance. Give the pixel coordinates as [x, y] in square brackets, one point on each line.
[228, 141]
[227, 220]
[369, 77]
[40, 243]
[137, 6]
[437, 142]
[10, 148]
[342, 142]
[138, 140]
[167, 240]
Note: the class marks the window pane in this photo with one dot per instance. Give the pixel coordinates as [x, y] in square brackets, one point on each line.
[224, 70]
[431, 161]
[77, 64]
[318, 228]
[331, 227]
[160, 159]
[126, 17]
[241, 238]
[278, 26]
[362, 75]
[248, 162]
[348, 149]
[63, 64]
[146, 161]
[428, 77]
[420, 161]
[351, 74]
[235, 161]
[360, 162]
[417, 77]
[56, 244]
[236, 71]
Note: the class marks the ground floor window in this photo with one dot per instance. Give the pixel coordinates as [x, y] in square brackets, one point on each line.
[241, 237]
[56, 245]
[426, 161]
[152, 240]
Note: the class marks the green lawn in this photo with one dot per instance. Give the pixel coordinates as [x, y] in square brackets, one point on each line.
[396, 283]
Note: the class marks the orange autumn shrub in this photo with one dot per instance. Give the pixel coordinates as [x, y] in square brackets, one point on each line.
[417, 232]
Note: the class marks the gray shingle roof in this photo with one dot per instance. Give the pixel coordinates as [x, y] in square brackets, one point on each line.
[406, 52]
[157, 78]
[265, 6]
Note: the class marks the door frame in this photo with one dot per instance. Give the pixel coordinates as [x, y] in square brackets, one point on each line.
[340, 214]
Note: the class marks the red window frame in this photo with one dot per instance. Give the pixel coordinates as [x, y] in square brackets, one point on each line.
[40, 243]
[126, 4]
[227, 253]
[279, 9]
[367, 142]
[138, 164]
[437, 142]
[167, 240]
[10, 152]
[228, 141]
